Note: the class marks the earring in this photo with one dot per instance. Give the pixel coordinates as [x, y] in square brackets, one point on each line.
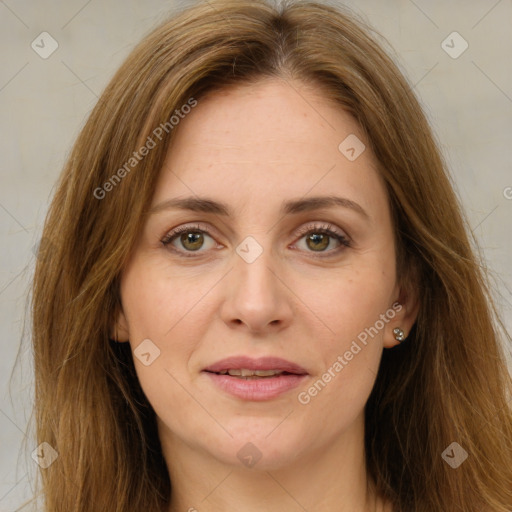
[399, 334]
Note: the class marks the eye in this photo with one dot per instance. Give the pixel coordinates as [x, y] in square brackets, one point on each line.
[187, 240]
[318, 238]
[190, 238]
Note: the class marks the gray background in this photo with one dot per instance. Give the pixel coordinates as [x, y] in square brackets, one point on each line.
[44, 103]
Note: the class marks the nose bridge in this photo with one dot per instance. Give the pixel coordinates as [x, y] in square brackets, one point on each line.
[255, 296]
[254, 264]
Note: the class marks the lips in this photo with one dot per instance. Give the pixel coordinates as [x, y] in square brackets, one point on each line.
[247, 367]
[266, 378]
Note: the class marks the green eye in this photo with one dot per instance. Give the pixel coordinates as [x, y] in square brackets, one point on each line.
[317, 241]
[190, 238]
[196, 240]
[319, 237]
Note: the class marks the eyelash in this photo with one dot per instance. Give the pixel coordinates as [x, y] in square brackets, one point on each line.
[325, 229]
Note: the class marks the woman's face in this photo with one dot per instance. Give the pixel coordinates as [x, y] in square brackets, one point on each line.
[264, 267]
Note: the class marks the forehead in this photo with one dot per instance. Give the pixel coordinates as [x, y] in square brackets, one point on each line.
[267, 140]
[266, 114]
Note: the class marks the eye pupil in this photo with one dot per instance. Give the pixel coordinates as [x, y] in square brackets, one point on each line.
[318, 237]
[192, 238]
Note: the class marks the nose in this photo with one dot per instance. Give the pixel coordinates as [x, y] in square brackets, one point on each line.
[257, 296]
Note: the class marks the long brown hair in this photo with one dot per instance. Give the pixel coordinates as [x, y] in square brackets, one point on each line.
[447, 383]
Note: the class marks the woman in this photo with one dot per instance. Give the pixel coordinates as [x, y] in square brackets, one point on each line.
[261, 294]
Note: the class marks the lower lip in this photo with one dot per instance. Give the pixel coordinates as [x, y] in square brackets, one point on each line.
[261, 389]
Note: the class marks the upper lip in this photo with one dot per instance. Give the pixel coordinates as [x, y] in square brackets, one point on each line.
[262, 363]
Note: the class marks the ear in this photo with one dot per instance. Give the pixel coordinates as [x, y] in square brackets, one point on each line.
[406, 308]
[120, 331]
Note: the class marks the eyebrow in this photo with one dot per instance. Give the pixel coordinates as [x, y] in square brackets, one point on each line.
[206, 205]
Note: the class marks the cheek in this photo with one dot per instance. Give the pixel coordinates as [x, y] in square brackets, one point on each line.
[355, 307]
[349, 299]
[156, 300]
[166, 309]
[159, 308]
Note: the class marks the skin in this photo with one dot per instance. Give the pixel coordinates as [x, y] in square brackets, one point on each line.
[253, 147]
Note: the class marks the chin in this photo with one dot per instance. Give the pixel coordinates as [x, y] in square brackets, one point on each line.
[265, 451]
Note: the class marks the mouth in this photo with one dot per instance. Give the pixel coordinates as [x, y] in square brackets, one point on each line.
[244, 373]
[255, 379]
